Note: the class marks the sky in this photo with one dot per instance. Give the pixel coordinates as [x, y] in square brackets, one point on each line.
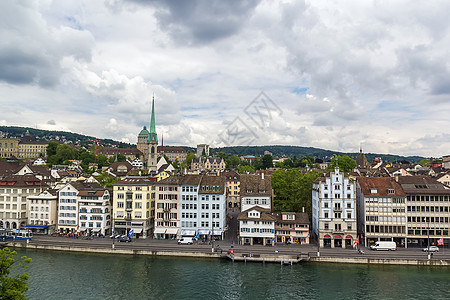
[337, 75]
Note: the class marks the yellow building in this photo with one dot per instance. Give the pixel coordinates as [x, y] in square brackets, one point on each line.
[134, 206]
[26, 147]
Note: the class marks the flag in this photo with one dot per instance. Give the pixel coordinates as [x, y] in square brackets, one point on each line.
[356, 241]
[131, 233]
[440, 242]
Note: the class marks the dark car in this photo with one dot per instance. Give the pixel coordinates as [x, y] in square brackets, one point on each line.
[124, 239]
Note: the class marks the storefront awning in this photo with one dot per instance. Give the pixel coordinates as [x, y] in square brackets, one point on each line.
[137, 230]
[348, 237]
[172, 231]
[203, 231]
[160, 230]
[186, 232]
[36, 226]
[81, 229]
[217, 232]
[337, 237]
[96, 230]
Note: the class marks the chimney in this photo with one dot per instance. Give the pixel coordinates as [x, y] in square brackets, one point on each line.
[303, 209]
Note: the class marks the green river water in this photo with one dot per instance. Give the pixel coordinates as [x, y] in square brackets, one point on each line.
[64, 275]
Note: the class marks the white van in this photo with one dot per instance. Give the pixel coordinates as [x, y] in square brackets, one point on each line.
[380, 245]
[185, 240]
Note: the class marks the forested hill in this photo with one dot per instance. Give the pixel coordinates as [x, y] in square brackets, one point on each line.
[61, 136]
[298, 151]
[277, 150]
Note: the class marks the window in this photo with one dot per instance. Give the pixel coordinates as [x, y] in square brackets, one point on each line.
[138, 205]
[349, 226]
[326, 226]
[325, 204]
[119, 204]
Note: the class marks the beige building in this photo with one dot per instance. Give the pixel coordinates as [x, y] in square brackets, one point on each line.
[173, 153]
[43, 212]
[208, 164]
[26, 147]
[134, 206]
[233, 185]
[292, 227]
[14, 191]
[167, 208]
[381, 210]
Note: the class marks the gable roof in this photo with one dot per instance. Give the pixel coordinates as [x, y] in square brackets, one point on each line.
[381, 184]
[255, 185]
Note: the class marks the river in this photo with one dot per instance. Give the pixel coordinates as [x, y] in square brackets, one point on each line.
[64, 275]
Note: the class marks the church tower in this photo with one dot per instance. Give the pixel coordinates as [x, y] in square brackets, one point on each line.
[153, 142]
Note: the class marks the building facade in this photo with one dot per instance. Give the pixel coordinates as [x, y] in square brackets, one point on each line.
[167, 208]
[233, 185]
[381, 210]
[134, 207]
[256, 227]
[94, 205]
[427, 210]
[14, 190]
[68, 208]
[43, 212]
[334, 210]
[292, 227]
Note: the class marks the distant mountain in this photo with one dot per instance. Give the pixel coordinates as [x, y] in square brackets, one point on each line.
[276, 150]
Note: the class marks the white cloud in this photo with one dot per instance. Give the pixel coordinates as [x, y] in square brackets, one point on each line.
[342, 73]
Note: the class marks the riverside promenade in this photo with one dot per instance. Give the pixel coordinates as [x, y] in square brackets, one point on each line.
[284, 254]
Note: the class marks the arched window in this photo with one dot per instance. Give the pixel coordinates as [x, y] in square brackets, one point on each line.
[153, 150]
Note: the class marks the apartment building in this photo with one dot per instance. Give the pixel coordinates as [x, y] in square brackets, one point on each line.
[14, 190]
[381, 210]
[233, 186]
[334, 210]
[427, 210]
[256, 226]
[134, 206]
[167, 208]
[43, 212]
[94, 203]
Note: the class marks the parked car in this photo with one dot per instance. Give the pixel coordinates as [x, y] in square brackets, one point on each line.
[125, 239]
[185, 240]
[432, 249]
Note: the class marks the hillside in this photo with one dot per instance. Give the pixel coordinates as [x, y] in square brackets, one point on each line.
[276, 150]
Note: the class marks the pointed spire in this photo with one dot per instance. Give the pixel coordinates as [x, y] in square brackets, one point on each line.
[152, 136]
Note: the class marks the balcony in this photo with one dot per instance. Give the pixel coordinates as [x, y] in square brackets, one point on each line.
[337, 208]
[166, 209]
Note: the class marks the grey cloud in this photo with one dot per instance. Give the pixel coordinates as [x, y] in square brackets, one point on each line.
[31, 51]
[201, 21]
[51, 122]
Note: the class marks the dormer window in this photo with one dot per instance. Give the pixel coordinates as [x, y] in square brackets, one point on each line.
[249, 191]
[391, 191]
[373, 191]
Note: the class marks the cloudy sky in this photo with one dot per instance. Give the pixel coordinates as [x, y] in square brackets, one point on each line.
[308, 73]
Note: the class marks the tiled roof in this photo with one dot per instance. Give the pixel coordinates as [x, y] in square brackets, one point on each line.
[381, 184]
[124, 151]
[171, 149]
[264, 216]
[191, 179]
[254, 185]
[300, 218]
[210, 181]
[19, 181]
[422, 185]
[135, 181]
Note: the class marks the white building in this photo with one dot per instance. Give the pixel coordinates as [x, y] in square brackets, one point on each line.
[256, 226]
[190, 205]
[14, 191]
[334, 210]
[43, 212]
[94, 204]
[68, 208]
[212, 206]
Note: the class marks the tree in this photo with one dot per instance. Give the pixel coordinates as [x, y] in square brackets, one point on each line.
[232, 162]
[186, 164]
[345, 163]
[245, 169]
[267, 161]
[12, 287]
[107, 180]
[51, 148]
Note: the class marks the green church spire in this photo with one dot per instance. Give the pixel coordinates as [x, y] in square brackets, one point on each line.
[152, 136]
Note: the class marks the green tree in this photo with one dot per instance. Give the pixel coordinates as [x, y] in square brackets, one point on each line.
[12, 287]
[345, 163]
[425, 162]
[292, 190]
[232, 162]
[106, 180]
[245, 169]
[51, 148]
[187, 162]
[267, 161]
